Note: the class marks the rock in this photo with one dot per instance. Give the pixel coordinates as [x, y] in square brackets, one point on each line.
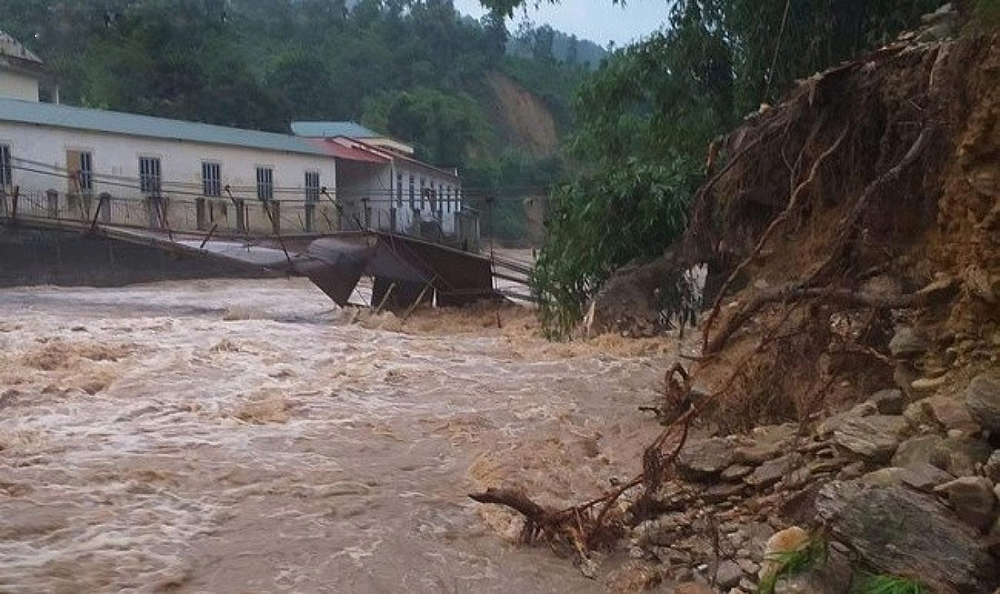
[705, 458]
[832, 577]
[906, 343]
[992, 467]
[918, 418]
[972, 499]
[922, 477]
[634, 577]
[925, 386]
[852, 470]
[925, 477]
[748, 566]
[903, 532]
[719, 493]
[778, 546]
[889, 402]
[770, 472]
[938, 292]
[982, 397]
[735, 472]
[903, 375]
[960, 455]
[916, 450]
[950, 413]
[692, 588]
[728, 574]
[828, 426]
[874, 438]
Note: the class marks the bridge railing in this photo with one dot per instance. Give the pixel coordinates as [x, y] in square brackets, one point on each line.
[239, 217]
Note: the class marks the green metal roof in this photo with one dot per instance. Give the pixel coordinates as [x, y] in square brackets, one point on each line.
[332, 130]
[113, 122]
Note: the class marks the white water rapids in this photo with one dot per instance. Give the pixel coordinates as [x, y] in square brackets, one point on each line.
[248, 436]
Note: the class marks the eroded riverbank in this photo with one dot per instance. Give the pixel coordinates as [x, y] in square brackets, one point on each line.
[243, 436]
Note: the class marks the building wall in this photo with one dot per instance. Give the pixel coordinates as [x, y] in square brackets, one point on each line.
[443, 185]
[18, 86]
[39, 156]
[358, 181]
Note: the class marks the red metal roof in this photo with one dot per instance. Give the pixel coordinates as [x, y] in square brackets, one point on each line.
[339, 151]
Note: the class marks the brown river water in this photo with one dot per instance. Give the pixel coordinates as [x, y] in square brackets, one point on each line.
[248, 436]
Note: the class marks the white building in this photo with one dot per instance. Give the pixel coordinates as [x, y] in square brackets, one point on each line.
[392, 191]
[162, 173]
[22, 74]
[119, 168]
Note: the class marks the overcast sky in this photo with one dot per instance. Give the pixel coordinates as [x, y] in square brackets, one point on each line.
[600, 21]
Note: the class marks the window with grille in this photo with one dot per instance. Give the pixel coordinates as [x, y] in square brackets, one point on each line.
[5, 168]
[265, 183]
[86, 172]
[312, 186]
[423, 193]
[413, 203]
[211, 179]
[149, 175]
[399, 189]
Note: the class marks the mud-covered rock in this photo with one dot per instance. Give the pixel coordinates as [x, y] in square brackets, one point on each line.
[899, 531]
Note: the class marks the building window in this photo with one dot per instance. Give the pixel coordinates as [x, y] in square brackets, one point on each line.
[86, 174]
[447, 198]
[265, 183]
[423, 193]
[211, 179]
[5, 168]
[413, 203]
[312, 186]
[149, 175]
[399, 190]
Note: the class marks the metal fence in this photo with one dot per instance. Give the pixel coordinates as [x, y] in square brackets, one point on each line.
[238, 217]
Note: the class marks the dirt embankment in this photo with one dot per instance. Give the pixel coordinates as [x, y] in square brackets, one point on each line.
[528, 123]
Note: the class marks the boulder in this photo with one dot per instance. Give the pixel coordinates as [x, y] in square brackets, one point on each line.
[702, 459]
[972, 499]
[922, 477]
[960, 455]
[728, 575]
[916, 450]
[889, 402]
[899, 531]
[983, 399]
[874, 437]
[950, 413]
[770, 472]
[778, 546]
[735, 472]
[992, 467]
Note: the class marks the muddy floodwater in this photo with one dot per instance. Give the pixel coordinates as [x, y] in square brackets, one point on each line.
[248, 436]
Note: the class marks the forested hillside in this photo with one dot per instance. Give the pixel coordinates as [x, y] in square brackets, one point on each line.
[417, 70]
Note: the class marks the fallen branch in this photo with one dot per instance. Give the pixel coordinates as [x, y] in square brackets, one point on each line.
[796, 292]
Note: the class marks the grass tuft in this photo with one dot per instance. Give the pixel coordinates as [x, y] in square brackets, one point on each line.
[889, 584]
[792, 563]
